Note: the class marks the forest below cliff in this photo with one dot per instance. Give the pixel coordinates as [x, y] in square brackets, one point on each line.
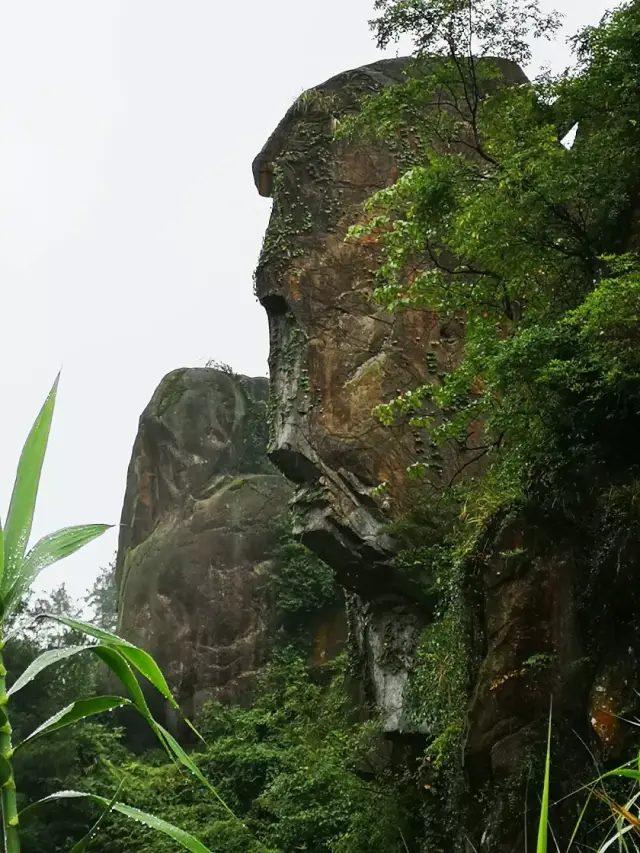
[528, 239]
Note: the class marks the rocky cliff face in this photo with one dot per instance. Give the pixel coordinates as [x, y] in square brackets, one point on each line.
[197, 532]
[334, 356]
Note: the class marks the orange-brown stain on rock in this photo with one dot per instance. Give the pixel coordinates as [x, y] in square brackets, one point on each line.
[293, 280]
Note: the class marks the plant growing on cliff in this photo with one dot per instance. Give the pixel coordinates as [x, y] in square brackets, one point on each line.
[520, 238]
[19, 567]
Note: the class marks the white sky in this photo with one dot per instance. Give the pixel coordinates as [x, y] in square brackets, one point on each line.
[129, 223]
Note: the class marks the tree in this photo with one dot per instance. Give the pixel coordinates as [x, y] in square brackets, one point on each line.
[532, 248]
[102, 598]
[500, 225]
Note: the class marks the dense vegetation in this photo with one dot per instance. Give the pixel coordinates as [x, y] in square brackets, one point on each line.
[298, 769]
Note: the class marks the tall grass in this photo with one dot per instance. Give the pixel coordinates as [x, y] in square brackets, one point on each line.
[621, 833]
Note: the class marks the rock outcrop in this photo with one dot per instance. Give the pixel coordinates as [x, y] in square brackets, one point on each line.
[198, 527]
[334, 356]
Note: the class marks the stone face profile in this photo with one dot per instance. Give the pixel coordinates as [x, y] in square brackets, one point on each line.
[335, 355]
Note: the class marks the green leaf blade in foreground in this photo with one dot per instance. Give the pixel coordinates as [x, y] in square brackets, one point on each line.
[192, 767]
[47, 551]
[180, 836]
[48, 658]
[1, 553]
[543, 827]
[83, 845]
[25, 492]
[74, 713]
[123, 672]
[138, 658]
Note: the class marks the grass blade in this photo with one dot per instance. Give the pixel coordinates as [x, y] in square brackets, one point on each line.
[543, 827]
[180, 836]
[25, 492]
[73, 713]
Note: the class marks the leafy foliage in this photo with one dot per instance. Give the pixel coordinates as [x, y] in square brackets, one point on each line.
[295, 768]
[529, 249]
[519, 238]
[305, 587]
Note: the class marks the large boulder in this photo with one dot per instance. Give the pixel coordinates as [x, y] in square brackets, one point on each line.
[198, 527]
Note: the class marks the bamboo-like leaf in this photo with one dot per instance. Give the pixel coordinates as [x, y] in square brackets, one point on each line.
[48, 550]
[543, 827]
[73, 713]
[123, 672]
[147, 667]
[88, 630]
[138, 658]
[192, 767]
[44, 660]
[82, 845]
[185, 839]
[25, 492]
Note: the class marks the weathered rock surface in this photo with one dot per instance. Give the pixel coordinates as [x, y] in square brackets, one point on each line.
[334, 356]
[197, 529]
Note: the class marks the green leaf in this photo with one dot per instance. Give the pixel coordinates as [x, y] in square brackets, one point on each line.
[543, 826]
[123, 672]
[625, 772]
[25, 492]
[42, 662]
[48, 550]
[193, 768]
[73, 713]
[85, 841]
[88, 629]
[138, 658]
[185, 839]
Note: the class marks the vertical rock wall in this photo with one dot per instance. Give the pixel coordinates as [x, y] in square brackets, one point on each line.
[334, 355]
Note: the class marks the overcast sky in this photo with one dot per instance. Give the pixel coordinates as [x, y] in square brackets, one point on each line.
[129, 223]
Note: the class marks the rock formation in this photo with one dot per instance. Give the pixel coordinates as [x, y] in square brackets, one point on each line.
[334, 356]
[197, 531]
